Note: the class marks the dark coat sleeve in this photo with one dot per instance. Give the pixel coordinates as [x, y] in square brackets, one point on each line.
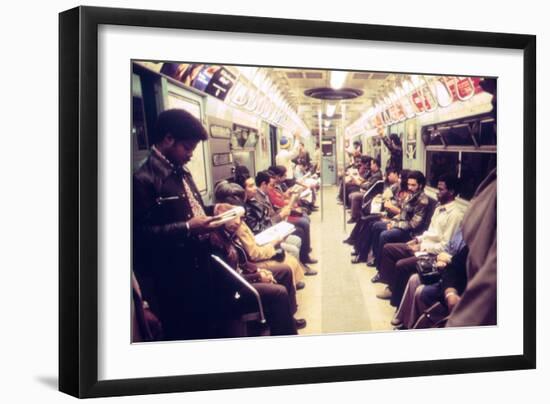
[377, 176]
[144, 206]
[454, 275]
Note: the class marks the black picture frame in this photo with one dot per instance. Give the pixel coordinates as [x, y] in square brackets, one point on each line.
[78, 200]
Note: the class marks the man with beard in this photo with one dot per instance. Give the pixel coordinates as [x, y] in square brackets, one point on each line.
[398, 260]
[170, 230]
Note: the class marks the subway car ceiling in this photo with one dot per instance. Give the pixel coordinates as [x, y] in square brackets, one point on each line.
[445, 123]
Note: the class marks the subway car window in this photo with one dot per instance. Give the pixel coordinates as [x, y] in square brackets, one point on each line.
[440, 163]
[271, 201]
[474, 168]
[458, 135]
[487, 132]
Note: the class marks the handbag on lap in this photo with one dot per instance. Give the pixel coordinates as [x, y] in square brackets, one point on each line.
[434, 316]
[428, 272]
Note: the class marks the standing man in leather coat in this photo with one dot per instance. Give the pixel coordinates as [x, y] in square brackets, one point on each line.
[170, 230]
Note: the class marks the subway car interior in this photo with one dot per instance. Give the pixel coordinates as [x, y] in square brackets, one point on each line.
[315, 201]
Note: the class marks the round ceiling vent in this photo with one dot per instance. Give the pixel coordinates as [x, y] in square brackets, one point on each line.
[327, 93]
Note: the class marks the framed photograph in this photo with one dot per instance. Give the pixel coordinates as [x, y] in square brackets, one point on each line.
[192, 258]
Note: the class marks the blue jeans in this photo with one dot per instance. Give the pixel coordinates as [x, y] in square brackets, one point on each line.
[302, 230]
[381, 236]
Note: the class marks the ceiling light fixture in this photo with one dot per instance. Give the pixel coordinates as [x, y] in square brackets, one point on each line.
[331, 108]
[337, 79]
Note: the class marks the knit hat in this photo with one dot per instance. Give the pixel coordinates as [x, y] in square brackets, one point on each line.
[284, 143]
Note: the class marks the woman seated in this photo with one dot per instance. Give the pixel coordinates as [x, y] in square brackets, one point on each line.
[269, 255]
[275, 285]
[257, 217]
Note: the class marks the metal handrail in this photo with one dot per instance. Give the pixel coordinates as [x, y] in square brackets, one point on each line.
[243, 282]
[367, 193]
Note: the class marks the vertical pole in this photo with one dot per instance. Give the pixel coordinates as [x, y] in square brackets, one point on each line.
[344, 162]
[321, 158]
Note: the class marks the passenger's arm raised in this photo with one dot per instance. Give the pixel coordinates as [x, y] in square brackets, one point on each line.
[295, 148]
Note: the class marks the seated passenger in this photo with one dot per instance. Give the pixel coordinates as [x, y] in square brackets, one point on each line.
[305, 204]
[344, 176]
[398, 260]
[269, 254]
[302, 168]
[241, 173]
[356, 198]
[418, 297]
[310, 185]
[234, 194]
[282, 202]
[355, 174]
[275, 285]
[392, 199]
[260, 216]
[402, 228]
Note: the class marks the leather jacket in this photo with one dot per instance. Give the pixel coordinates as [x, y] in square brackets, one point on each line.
[413, 213]
[172, 266]
[160, 204]
[257, 216]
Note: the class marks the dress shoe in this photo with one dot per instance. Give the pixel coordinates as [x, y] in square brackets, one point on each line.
[347, 241]
[396, 322]
[385, 294]
[371, 263]
[309, 271]
[310, 260]
[357, 260]
[376, 278]
[300, 285]
[351, 221]
[399, 327]
[300, 323]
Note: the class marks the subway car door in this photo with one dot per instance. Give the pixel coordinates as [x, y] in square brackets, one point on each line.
[328, 150]
[175, 95]
[243, 147]
[273, 143]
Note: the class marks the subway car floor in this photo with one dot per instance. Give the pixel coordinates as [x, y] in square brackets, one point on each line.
[340, 298]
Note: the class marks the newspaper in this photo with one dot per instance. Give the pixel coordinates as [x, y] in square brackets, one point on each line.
[278, 231]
